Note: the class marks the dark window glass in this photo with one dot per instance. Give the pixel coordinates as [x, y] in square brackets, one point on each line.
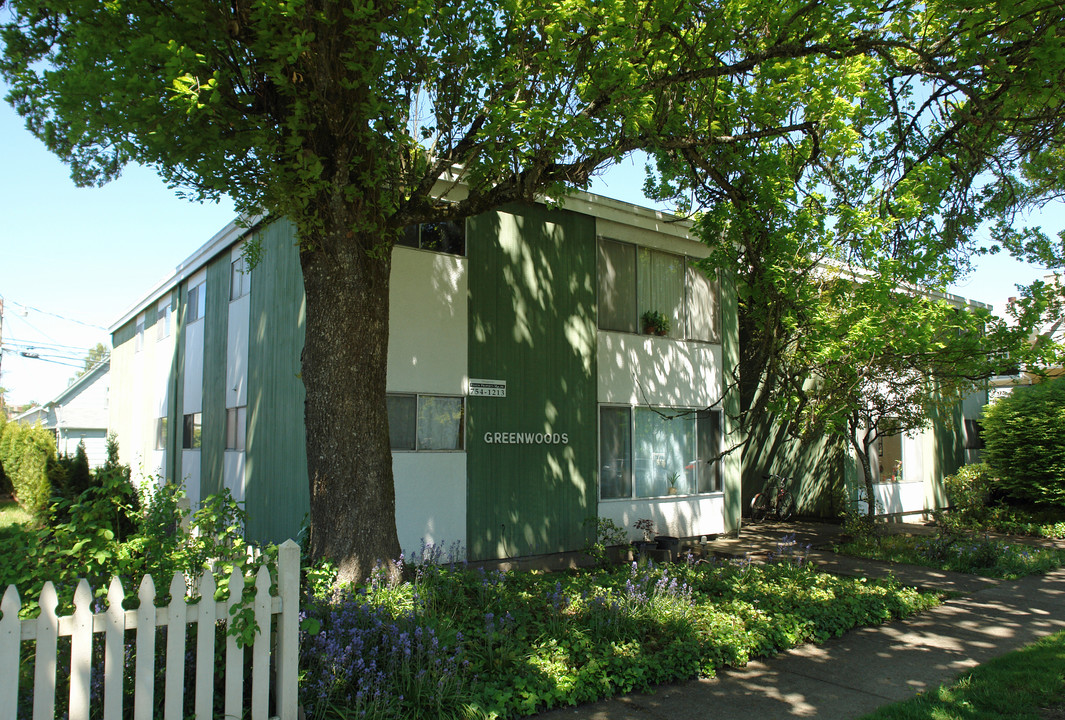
[615, 451]
[402, 414]
[192, 431]
[708, 444]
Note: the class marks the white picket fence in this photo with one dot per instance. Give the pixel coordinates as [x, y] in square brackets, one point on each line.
[113, 623]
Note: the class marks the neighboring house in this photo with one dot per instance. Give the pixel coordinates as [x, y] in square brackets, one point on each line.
[524, 395]
[79, 414]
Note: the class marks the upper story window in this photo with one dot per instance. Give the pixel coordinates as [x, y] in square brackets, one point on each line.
[635, 280]
[138, 337]
[192, 431]
[240, 278]
[445, 237]
[162, 322]
[197, 302]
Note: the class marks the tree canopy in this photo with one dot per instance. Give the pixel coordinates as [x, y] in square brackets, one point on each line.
[810, 130]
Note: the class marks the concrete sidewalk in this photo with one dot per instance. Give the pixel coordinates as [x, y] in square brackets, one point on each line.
[866, 668]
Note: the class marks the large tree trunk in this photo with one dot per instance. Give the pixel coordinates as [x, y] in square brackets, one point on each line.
[349, 462]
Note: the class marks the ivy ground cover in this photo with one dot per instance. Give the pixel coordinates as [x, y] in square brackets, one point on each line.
[458, 642]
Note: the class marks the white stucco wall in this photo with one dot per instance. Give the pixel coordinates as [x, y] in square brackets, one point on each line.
[430, 498]
[427, 353]
[427, 329]
[649, 370]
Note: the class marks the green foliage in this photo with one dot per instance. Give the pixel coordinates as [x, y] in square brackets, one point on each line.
[27, 453]
[607, 534]
[5, 481]
[959, 552]
[511, 644]
[655, 323]
[1025, 443]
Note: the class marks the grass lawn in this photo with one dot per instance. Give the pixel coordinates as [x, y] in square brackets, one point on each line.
[1028, 683]
[12, 514]
[973, 554]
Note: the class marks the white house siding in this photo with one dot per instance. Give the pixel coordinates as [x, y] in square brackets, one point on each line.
[427, 353]
[430, 498]
[236, 377]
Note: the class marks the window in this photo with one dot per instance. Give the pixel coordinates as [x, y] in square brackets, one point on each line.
[192, 431]
[236, 427]
[138, 342]
[425, 422]
[163, 321]
[446, 237]
[239, 279]
[655, 452]
[197, 302]
[160, 433]
[636, 280]
[889, 451]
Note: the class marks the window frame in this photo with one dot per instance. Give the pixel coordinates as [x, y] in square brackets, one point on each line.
[417, 416]
[237, 428]
[406, 232]
[714, 416]
[197, 303]
[162, 321]
[643, 276]
[192, 431]
[239, 278]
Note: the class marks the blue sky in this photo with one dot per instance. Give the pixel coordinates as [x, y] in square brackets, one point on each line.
[72, 260]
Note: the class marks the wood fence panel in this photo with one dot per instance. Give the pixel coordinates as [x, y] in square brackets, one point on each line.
[115, 623]
[260, 678]
[205, 620]
[174, 693]
[44, 663]
[234, 694]
[81, 653]
[10, 647]
[114, 651]
[144, 679]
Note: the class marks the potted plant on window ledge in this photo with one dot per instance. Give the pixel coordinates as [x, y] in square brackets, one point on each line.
[655, 323]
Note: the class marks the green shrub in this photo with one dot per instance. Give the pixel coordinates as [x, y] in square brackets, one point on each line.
[5, 481]
[1025, 443]
[35, 451]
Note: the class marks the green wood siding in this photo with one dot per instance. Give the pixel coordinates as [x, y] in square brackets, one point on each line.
[124, 334]
[532, 324]
[176, 400]
[216, 327]
[276, 454]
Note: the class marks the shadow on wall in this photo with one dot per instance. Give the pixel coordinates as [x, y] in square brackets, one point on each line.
[531, 461]
[816, 469]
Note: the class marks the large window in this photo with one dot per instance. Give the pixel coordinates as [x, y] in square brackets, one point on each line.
[637, 280]
[445, 237]
[655, 452]
[426, 422]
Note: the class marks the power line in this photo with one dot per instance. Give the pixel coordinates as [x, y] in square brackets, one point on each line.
[56, 315]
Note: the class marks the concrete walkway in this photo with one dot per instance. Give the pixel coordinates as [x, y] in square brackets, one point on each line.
[866, 668]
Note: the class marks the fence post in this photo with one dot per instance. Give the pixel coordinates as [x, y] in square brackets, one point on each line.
[81, 653]
[44, 659]
[114, 650]
[175, 649]
[288, 628]
[10, 639]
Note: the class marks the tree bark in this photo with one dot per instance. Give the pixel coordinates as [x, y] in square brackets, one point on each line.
[349, 461]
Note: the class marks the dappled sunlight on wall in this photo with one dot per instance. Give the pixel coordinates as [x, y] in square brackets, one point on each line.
[647, 370]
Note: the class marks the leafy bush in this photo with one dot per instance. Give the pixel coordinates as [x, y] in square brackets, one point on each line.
[26, 453]
[974, 554]
[455, 641]
[1025, 443]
